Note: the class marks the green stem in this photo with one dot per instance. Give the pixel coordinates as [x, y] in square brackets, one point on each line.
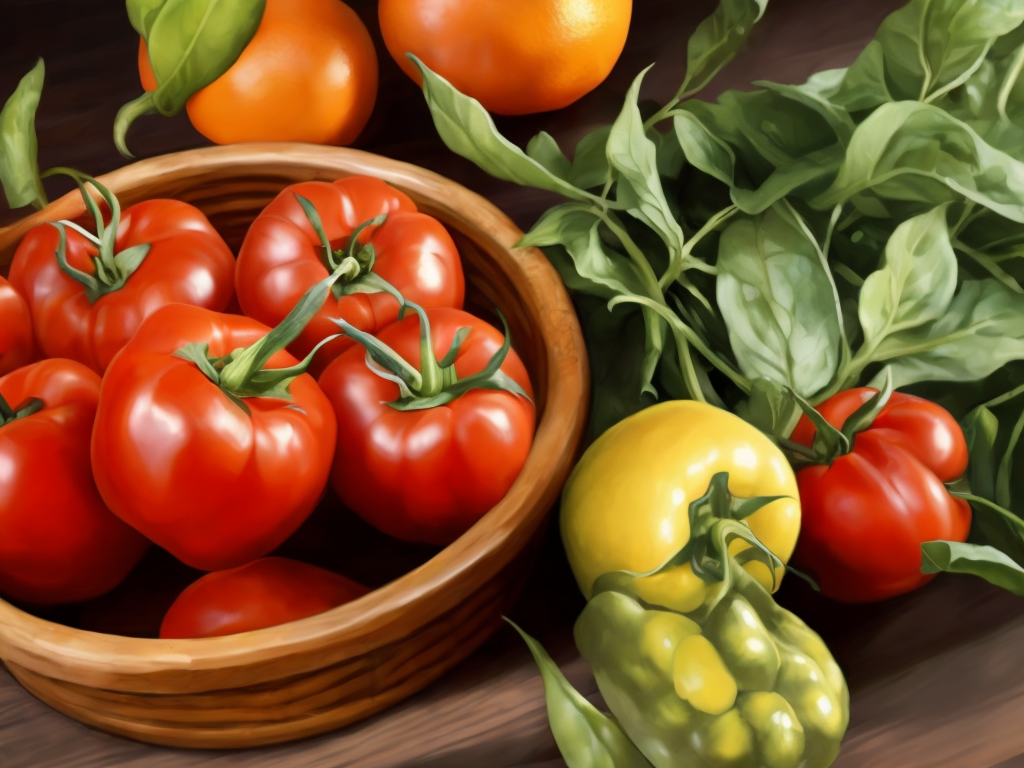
[6, 412]
[128, 114]
[27, 408]
[992, 506]
[672, 274]
[647, 275]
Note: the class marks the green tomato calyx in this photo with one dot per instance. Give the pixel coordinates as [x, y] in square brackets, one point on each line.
[27, 408]
[111, 269]
[436, 381]
[354, 261]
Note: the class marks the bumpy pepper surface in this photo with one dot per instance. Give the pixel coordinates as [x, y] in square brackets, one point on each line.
[739, 682]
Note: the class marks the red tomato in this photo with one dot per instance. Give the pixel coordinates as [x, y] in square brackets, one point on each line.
[428, 475]
[188, 263]
[58, 541]
[865, 516]
[186, 465]
[16, 349]
[263, 593]
[282, 256]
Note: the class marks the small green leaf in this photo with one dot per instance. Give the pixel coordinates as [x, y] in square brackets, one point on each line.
[191, 43]
[704, 150]
[717, 41]
[468, 130]
[586, 737]
[916, 282]
[981, 429]
[771, 408]
[590, 167]
[544, 150]
[130, 259]
[973, 559]
[633, 156]
[142, 14]
[19, 148]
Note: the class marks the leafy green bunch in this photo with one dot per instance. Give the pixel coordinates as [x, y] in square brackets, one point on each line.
[810, 235]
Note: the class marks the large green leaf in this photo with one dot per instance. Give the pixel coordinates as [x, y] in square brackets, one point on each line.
[909, 151]
[982, 331]
[191, 43]
[916, 282]
[777, 301]
[974, 559]
[142, 14]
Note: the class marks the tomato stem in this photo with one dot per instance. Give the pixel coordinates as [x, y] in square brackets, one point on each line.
[112, 269]
[436, 382]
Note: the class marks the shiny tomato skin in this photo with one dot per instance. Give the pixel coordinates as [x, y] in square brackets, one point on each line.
[260, 594]
[281, 258]
[428, 475]
[16, 345]
[188, 263]
[866, 515]
[180, 462]
[58, 541]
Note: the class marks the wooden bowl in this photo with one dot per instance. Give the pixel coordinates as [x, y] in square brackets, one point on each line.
[314, 675]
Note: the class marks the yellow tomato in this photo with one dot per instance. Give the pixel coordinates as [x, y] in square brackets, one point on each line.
[626, 504]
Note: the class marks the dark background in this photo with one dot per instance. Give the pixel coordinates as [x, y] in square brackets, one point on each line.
[936, 676]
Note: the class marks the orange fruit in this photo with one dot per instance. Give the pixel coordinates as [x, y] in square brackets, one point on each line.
[514, 56]
[309, 74]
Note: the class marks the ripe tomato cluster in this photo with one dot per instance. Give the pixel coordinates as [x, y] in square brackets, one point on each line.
[153, 416]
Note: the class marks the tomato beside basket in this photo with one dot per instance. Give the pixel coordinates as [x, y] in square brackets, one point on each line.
[432, 616]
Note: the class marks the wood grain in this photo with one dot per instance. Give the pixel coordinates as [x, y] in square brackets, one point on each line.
[935, 677]
[310, 676]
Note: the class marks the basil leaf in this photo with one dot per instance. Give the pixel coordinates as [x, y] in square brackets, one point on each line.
[981, 429]
[468, 130]
[930, 46]
[703, 150]
[191, 43]
[142, 14]
[974, 559]
[815, 95]
[981, 332]
[596, 268]
[717, 40]
[908, 151]
[864, 86]
[916, 282]
[803, 177]
[544, 149]
[633, 156]
[590, 162]
[777, 302]
[19, 148]
[771, 408]
[586, 737]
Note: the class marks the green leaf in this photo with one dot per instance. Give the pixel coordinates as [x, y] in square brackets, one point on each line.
[981, 428]
[604, 271]
[142, 14]
[544, 150]
[633, 156]
[703, 150]
[130, 259]
[982, 331]
[717, 40]
[191, 43]
[19, 148]
[777, 302]
[586, 737]
[590, 162]
[916, 282]
[771, 408]
[468, 130]
[930, 45]
[816, 95]
[974, 559]
[909, 151]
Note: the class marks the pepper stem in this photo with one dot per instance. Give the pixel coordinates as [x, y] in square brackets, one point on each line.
[436, 382]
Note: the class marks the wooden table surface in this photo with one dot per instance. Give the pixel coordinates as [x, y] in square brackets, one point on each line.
[936, 677]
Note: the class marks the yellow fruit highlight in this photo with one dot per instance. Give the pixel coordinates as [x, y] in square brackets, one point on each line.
[701, 677]
[661, 635]
[626, 504]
